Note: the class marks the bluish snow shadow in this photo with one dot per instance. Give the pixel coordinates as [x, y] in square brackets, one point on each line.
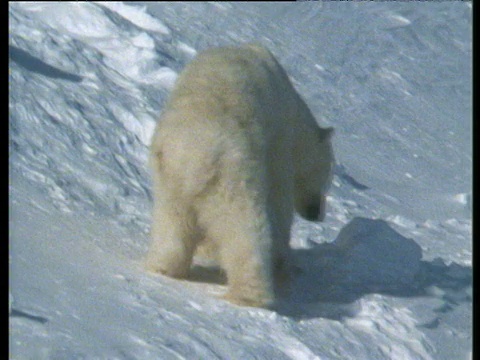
[367, 257]
[32, 63]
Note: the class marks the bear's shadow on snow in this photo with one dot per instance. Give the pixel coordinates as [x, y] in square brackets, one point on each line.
[367, 257]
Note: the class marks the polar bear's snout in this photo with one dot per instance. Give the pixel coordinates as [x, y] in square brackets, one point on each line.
[315, 209]
[312, 212]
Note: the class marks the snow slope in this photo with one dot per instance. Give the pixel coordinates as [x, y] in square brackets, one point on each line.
[386, 276]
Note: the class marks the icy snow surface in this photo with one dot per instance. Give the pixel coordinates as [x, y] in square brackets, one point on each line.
[386, 276]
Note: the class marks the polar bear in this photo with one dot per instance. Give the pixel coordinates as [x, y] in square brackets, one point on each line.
[235, 152]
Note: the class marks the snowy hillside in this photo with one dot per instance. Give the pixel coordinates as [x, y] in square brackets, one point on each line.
[386, 276]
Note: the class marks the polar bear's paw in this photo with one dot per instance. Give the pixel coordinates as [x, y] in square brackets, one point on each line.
[259, 298]
[245, 301]
[172, 267]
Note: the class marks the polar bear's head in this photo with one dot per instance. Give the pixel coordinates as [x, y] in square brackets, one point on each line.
[313, 175]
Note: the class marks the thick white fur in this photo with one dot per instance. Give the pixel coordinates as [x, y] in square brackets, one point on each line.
[235, 151]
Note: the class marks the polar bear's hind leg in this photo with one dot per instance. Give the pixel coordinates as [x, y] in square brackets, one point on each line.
[174, 239]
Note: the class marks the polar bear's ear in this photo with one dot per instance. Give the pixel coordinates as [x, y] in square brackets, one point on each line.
[325, 134]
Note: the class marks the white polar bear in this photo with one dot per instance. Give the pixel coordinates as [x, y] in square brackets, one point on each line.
[235, 152]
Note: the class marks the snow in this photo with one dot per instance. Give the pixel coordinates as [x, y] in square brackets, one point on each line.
[388, 275]
[137, 16]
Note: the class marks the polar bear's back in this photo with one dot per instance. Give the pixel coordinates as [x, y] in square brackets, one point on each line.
[229, 107]
[244, 82]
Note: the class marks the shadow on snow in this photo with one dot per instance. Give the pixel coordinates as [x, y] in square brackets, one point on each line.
[367, 257]
[32, 63]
